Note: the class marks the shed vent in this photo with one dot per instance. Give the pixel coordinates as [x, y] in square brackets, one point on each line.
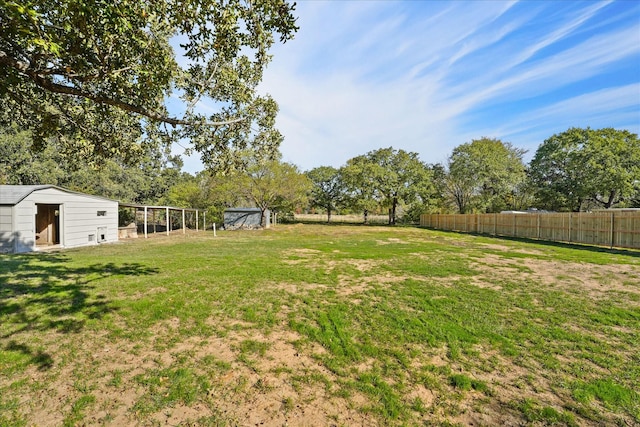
[102, 234]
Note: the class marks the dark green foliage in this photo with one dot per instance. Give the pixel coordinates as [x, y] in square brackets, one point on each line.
[581, 168]
[146, 181]
[485, 175]
[328, 190]
[21, 165]
[386, 178]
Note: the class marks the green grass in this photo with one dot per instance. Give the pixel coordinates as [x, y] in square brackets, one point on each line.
[78, 409]
[402, 325]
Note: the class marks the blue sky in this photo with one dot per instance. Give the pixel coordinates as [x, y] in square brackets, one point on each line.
[427, 76]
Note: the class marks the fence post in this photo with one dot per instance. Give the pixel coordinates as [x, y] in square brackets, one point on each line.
[613, 234]
[145, 222]
[570, 224]
[495, 224]
[538, 226]
[514, 225]
[168, 222]
[184, 224]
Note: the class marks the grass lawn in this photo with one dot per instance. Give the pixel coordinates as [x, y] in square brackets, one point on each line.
[321, 325]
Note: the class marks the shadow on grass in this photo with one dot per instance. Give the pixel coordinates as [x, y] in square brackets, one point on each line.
[340, 223]
[42, 360]
[41, 292]
[561, 245]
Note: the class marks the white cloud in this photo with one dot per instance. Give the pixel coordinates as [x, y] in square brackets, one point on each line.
[582, 61]
[612, 107]
[555, 35]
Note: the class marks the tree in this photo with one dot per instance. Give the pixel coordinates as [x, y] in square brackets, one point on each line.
[440, 200]
[431, 197]
[634, 201]
[360, 194]
[146, 181]
[581, 166]
[327, 188]
[99, 74]
[269, 184]
[20, 166]
[388, 177]
[484, 174]
[187, 194]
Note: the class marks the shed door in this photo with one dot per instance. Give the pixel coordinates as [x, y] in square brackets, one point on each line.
[47, 225]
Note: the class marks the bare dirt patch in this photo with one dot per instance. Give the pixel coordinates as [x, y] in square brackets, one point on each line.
[505, 248]
[297, 288]
[595, 280]
[392, 241]
[283, 386]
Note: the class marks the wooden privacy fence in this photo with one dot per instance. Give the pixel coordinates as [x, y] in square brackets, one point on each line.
[603, 228]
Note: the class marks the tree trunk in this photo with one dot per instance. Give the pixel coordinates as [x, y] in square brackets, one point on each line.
[579, 205]
[612, 198]
[328, 214]
[263, 220]
[366, 216]
[394, 205]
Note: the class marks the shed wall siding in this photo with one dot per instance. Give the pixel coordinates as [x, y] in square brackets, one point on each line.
[79, 216]
[5, 218]
[24, 226]
[6, 227]
[245, 218]
[81, 219]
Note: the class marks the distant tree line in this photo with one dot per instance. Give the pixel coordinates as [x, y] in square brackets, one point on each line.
[576, 170]
[147, 180]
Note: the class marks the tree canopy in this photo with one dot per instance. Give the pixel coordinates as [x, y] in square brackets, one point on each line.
[19, 166]
[267, 184]
[328, 190]
[387, 177]
[578, 166]
[99, 74]
[146, 181]
[483, 175]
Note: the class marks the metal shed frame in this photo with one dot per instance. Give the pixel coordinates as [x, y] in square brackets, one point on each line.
[167, 210]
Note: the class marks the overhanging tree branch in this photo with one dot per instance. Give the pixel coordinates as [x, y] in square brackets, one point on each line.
[45, 83]
[108, 71]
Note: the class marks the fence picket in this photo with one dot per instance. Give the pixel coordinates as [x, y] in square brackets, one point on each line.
[613, 228]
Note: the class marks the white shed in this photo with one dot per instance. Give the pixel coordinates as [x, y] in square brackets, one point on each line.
[33, 217]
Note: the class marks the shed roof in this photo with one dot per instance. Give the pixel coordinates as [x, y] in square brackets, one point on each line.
[243, 210]
[14, 194]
